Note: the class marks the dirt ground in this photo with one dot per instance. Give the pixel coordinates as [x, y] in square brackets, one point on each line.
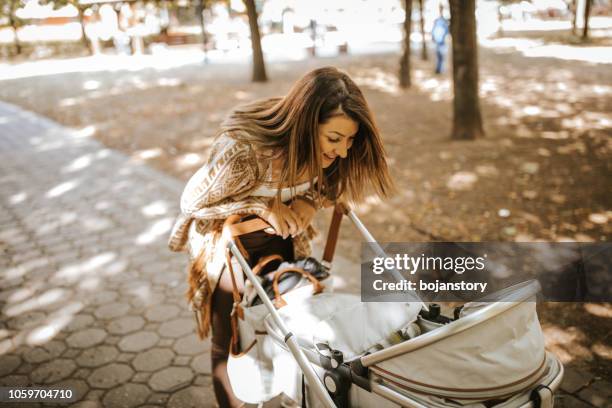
[541, 173]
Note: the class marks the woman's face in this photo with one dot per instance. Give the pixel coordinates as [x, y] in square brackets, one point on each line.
[335, 138]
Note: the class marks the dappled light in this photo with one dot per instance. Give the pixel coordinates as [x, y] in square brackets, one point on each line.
[463, 180]
[71, 267]
[157, 230]
[377, 79]
[90, 293]
[61, 189]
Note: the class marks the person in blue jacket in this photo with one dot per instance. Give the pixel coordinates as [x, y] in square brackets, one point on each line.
[439, 33]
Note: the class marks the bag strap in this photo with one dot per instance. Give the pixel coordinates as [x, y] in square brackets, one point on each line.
[235, 229]
[265, 261]
[317, 287]
[235, 292]
[237, 310]
[246, 227]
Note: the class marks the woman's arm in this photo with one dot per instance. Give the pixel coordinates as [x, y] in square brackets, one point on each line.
[218, 189]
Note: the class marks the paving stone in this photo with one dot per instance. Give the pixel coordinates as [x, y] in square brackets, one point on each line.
[110, 375]
[138, 341]
[141, 377]
[53, 371]
[201, 380]
[177, 327]
[598, 394]
[86, 338]
[45, 352]
[113, 340]
[126, 324]
[569, 401]
[181, 360]
[161, 313]
[158, 398]
[103, 297]
[14, 381]
[112, 310]
[6, 346]
[79, 322]
[71, 353]
[151, 327]
[95, 395]
[152, 360]
[127, 396]
[147, 300]
[192, 397]
[27, 320]
[79, 387]
[25, 368]
[191, 345]
[574, 380]
[88, 404]
[202, 364]
[8, 364]
[125, 357]
[171, 378]
[82, 373]
[165, 342]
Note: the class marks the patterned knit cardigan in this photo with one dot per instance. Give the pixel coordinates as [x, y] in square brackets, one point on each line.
[221, 188]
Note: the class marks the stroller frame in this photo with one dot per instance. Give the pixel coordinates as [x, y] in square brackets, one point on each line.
[357, 371]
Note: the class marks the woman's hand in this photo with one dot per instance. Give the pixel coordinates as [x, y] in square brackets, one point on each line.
[305, 212]
[284, 220]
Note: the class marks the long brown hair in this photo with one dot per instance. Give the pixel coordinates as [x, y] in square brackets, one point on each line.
[290, 126]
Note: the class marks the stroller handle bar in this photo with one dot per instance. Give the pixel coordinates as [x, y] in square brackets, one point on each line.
[233, 229]
[289, 339]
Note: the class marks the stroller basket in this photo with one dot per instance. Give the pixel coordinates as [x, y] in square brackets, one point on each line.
[492, 356]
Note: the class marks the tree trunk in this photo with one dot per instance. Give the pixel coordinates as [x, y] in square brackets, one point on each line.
[424, 42]
[404, 72]
[467, 121]
[16, 42]
[587, 14]
[574, 15]
[13, 22]
[200, 10]
[259, 68]
[84, 38]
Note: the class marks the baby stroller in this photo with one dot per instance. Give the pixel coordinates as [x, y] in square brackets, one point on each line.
[325, 349]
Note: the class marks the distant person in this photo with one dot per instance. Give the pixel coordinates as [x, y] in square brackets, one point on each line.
[438, 35]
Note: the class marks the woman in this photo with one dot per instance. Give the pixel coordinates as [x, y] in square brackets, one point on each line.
[280, 159]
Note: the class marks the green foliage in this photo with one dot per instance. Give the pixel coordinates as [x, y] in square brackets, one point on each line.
[7, 13]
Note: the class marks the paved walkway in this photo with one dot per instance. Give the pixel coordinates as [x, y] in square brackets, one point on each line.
[90, 297]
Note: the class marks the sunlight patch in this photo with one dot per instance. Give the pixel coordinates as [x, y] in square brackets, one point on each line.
[61, 189]
[78, 164]
[87, 131]
[461, 181]
[155, 208]
[189, 159]
[91, 85]
[18, 198]
[157, 229]
[148, 154]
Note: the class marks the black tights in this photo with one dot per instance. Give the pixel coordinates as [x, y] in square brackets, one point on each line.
[257, 244]
[221, 337]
